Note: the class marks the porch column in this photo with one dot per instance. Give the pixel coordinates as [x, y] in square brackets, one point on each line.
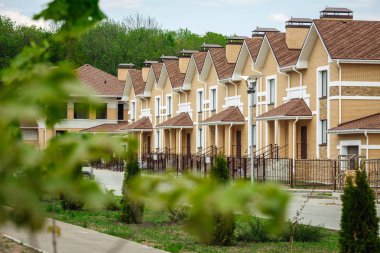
[276, 134]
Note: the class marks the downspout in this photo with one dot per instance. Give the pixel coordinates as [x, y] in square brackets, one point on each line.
[159, 110]
[283, 73]
[340, 92]
[229, 139]
[141, 133]
[204, 111]
[301, 80]
[259, 109]
[294, 141]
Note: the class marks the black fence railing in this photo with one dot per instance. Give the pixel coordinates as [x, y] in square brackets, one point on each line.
[300, 173]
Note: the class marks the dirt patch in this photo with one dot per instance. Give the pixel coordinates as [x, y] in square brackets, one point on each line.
[7, 245]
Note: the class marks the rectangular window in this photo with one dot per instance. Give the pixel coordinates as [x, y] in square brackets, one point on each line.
[81, 111]
[253, 135]
[213, 99]
[200, 139]
[272, 91]
[120, 111]
[323, 84]
[157, 139]
[133, 110]
[157, 107]
[101, 111]
[323, 132]
[200, 101]
[169, 105]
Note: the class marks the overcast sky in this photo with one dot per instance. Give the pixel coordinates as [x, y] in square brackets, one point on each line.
[229, 17]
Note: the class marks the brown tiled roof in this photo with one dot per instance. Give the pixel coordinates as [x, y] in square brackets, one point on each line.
[284, 56]
[199, 58]
[101, 82]
[28, 124]
[106, 128]
[350, 39]
[141, 124]
[230, 115]
[181, 120]
[294, 108]
[175, 76]
[157, 70]
[137, 81]
[254, 45]
[223, 68]
[371, 122]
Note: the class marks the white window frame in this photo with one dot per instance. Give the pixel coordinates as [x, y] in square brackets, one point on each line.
[213, 101]
[324, 135]
[269, 92]
[133, 110]
[200, 100]
[157, 106]
[157, 139]
[200, 137]
[320, 83]
[169, 105]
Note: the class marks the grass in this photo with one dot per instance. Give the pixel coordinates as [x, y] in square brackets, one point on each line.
[7, 245]
[159, 232]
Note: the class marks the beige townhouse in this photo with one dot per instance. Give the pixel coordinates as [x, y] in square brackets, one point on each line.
[107, 117]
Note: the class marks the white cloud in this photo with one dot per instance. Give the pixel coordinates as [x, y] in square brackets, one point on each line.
[120, 4]
[278, 17]
[20, 18]
[359, 3]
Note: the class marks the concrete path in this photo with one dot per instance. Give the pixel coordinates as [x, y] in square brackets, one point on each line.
[76, 239]
[111, 180]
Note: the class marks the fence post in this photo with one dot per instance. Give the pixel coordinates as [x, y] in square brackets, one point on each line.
[291, 172]
[335, 167]
[264, 168]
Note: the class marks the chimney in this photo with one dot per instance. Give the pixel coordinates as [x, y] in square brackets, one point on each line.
[296, 32]
[205, 47]
[122, 70]
[260, 31]
[233, 47]
[167, 57]
[184, 59]
[145, 69]
[334, 13]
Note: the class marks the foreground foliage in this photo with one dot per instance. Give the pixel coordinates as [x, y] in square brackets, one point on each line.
[33, 89]
[159, 231]
[359, 221]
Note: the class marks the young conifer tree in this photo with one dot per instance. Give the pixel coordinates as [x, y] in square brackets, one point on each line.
[359, 223]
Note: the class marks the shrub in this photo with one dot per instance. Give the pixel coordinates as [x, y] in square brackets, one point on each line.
[223, 232]
[359, 223]
[70, 203]
[257, 231]
[178, 214]
[132, 210]
[112, 203]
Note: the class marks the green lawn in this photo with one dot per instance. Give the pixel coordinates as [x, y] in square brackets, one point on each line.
[157, 231]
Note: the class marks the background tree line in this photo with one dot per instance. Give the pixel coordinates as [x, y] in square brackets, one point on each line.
[109, 43]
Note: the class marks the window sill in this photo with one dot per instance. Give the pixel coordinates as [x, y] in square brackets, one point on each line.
[325, 97]
[323, 145]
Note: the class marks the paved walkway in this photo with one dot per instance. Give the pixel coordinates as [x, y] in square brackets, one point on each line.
[76, 239]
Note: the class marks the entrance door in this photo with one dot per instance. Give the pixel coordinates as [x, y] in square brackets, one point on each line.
[238, 143]
[353, 151]
[188, 141]
[303, 142]
[148, 146]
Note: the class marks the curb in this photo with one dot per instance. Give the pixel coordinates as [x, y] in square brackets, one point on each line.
[25, 244]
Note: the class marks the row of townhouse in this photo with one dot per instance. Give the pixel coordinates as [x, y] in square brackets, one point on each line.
[316, 94]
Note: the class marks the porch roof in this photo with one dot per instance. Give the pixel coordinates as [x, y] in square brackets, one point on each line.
[182, 120]
[106, 128]
[143, 124]
[231, 115]
[295, 108]
[370, 123]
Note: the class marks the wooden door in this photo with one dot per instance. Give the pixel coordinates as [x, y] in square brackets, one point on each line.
[238, 143]
[148, 146]
[303, 142]
[188, 141]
